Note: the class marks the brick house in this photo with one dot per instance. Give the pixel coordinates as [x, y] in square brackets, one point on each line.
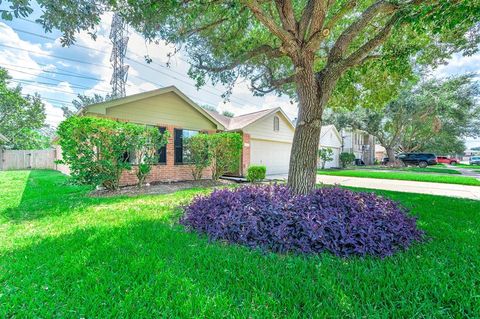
[267, 135]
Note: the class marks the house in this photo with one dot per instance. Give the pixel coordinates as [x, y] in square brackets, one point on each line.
[467, 154]
[380, 152]
[360, 143]
[267, 135]
[331, 138]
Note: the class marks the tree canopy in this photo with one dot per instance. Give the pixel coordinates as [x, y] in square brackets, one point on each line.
[435, 116]
[22, 117]
[319, 52]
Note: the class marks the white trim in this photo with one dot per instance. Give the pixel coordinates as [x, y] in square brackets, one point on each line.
[275, 110]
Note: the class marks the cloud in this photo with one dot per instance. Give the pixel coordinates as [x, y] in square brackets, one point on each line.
[54, 114]
[459, 64]
[21, 64]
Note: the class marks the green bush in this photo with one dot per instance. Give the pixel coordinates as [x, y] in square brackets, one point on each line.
[221, 151]
[198, 153]
[98, 150]
[346, 159]
[146, 143]
[225, 150]
[256, 173]
[325, 155]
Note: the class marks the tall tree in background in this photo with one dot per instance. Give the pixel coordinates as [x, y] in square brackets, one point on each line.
[22, 118]
[83, 100]
[317, 51]
[436, 116]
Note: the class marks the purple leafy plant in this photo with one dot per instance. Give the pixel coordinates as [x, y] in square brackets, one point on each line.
[331, 219]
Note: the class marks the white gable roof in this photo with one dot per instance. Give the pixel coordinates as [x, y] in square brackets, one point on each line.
[330, 137]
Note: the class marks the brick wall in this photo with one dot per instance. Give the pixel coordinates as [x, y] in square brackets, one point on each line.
[168, 172]
[245, 154]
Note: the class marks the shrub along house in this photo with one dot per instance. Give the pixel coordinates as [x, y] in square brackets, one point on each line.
[267, 135]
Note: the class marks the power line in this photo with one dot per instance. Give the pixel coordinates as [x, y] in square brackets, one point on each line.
[55, 72]
[36, 84]
[59, 81]
[140, 63]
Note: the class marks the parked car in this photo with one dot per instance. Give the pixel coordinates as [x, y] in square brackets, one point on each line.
[447, 160]
[475, 160]
[359, 162]
[385, 161]
[420, 159]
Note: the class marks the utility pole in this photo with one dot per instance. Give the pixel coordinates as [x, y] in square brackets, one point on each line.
[119, 38]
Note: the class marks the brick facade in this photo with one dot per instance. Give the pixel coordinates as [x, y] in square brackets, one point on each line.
[245, 154]
[168, 172]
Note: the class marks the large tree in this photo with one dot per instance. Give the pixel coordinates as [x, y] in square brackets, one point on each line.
[22, 117]
[318, 51]
[436, 116]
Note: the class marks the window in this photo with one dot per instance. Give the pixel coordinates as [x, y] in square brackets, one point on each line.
[162, 151]
[276, 124]
[180, 136]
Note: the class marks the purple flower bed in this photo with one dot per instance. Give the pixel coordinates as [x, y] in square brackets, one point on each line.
[329, 219]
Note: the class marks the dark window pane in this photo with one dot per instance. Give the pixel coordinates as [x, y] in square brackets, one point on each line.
[162, 152]
[180, 138]
[178, 143]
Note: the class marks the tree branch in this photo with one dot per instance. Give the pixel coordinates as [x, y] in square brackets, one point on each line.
[263, 49]
[285, 11]
[272, 83]
[321, 33]
[349, 34]
[269, 22]
[361, 54]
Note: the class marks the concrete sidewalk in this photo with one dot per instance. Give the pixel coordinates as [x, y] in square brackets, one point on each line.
[451, 190]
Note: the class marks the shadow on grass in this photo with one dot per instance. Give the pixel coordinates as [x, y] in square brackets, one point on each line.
[151, 269]
[148, 269]
[47, 193]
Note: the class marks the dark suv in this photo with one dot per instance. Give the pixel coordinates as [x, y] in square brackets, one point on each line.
[420, 159]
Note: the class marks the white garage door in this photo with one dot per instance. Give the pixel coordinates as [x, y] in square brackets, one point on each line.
[274, 155]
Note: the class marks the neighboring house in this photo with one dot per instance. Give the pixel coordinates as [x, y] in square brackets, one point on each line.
[360, 143]
[467, 154]
[380, 152]
[267, 134]
[331, 138]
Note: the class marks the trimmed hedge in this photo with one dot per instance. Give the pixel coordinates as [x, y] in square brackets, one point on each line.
[330, 219]
[256, 173]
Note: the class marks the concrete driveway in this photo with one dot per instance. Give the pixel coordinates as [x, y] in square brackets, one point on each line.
[451, 190]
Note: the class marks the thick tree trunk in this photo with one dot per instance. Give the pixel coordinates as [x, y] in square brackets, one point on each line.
[392, 161]
[313, 93]
[390, 154]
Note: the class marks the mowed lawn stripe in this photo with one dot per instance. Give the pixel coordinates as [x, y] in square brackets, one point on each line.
[64, 254]
[406, 176]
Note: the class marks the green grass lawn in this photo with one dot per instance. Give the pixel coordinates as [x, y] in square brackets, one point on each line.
[467, 166]
[66, 255]
[437, 170]
[407, 176]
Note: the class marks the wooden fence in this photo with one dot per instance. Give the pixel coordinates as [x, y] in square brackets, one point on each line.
[27, 159]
